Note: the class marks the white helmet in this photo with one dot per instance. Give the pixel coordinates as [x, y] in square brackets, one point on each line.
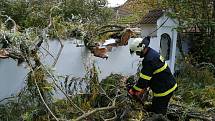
[138, 44]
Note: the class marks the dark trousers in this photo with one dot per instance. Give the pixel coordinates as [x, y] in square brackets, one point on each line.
[160, 104]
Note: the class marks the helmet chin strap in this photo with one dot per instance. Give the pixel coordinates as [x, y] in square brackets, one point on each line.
[141, 45]
[143, 52]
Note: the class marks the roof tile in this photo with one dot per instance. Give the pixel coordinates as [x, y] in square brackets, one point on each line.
[152, 17]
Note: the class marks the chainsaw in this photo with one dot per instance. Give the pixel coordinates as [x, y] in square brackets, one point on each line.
[130, 82]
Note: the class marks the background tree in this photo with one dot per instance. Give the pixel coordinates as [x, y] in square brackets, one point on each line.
[200, 17]
[195, 15]
[36, 13]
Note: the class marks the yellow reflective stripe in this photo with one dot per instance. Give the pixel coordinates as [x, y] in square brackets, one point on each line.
[145, 76]
[160, 69]
[165, 93]
[137, 88]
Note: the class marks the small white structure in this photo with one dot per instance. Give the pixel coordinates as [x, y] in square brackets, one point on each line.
[162, 30]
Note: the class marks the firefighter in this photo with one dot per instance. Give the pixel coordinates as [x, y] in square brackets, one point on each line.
[154, 74]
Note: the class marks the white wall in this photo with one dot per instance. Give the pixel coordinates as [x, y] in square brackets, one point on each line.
[73, 61]
[148, 29]
[155, 43]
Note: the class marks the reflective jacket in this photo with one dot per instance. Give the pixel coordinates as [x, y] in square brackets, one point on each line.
[155, 74]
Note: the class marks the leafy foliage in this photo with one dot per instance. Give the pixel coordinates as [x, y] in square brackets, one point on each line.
[36, 13]
[196, 85]
[64, 17]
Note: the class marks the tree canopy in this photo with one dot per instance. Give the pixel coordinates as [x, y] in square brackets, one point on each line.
[25, 24]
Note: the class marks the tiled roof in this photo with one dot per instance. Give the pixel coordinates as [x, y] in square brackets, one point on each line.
[122, 10]
[152, 17]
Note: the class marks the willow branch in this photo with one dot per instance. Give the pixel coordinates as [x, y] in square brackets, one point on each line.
[7, 98]
[111, 119]
[50, 15]
[46, 29]
[54, 81]
[59, 52]
[96, 110]
[44, 101]
[48, 52]
[104, 92]
[179, 110]
[198, 116]
[58, 38]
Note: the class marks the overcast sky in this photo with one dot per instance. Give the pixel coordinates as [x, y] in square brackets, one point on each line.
[114, 3]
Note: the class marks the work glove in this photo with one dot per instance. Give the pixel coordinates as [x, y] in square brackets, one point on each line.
[134, 92]
[130, 85]
[139, 96]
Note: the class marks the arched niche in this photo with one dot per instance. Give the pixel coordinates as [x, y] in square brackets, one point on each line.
[165, 45]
